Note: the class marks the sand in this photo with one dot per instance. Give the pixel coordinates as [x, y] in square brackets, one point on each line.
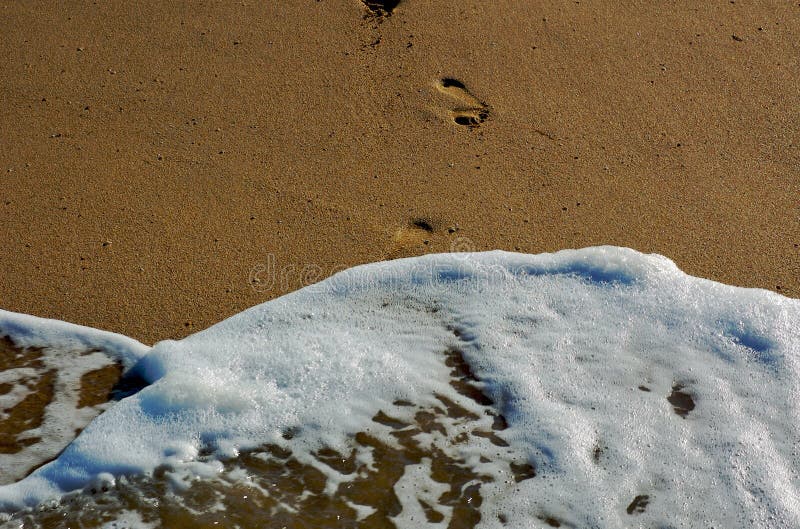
[165, 166]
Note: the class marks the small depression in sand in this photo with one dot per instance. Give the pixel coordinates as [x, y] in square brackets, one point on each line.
[469, 111]
[412, 239]
[381, 8]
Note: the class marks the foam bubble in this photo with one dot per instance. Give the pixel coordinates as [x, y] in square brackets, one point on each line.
[597, 387]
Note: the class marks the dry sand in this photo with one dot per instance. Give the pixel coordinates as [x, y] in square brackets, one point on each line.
[159, 161]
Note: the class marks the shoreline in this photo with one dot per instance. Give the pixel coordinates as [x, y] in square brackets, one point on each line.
[152, 165]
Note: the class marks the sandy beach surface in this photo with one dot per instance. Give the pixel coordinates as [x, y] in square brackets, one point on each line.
[166, 165]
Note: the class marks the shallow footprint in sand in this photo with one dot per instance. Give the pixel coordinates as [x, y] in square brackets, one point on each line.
[472, 111]
[411, 239]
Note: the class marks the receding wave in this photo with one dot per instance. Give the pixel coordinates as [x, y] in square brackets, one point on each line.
[590, 388]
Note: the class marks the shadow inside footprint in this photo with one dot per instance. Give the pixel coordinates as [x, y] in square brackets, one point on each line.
[412, 239]
[381, 8]
[447, 82]
[551, 521]
[423, 224]
[469, 118]
[472, 111]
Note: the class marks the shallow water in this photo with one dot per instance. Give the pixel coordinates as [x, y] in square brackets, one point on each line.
[387, 474]
[592, 388]
[47, 395]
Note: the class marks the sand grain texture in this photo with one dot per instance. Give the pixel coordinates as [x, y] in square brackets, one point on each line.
[153, 155]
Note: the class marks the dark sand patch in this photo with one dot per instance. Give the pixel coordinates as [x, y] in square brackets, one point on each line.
[638, 505]
[27, 414]
[97, 386]
[29, 435]
[682, 402]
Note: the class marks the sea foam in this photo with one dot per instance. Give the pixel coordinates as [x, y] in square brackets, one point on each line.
[634, 393]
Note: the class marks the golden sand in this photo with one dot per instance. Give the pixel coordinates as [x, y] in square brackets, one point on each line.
[155, 154]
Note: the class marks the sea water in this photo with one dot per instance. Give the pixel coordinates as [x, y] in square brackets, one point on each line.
[587, 388]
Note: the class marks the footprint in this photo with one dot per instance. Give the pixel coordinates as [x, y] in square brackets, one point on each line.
[471, 111]
[411, 239]
[380, 8]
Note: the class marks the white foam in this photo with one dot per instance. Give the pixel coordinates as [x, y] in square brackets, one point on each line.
[62, 416]
[416, 485]
[67, 353]
[562, 341]
[30, 331]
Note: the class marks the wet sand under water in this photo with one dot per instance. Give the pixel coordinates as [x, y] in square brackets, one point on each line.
[38, 385]
[278, 487]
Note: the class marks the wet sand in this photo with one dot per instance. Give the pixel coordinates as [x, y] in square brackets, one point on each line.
[30, 435]
[296, 493]
[166, 166]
